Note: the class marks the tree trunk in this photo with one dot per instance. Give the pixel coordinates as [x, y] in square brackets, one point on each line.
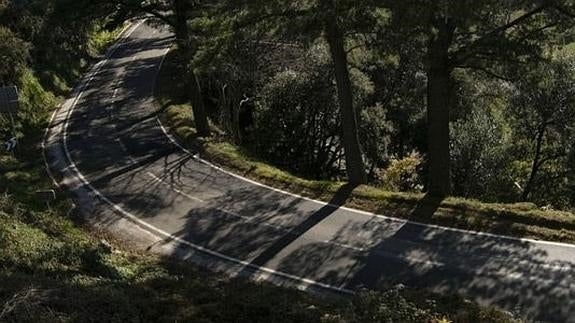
[198, 108]
[438, 93]
[353, 157]
[183, 41]
[571, 174]
[181, 24]
[536, 164]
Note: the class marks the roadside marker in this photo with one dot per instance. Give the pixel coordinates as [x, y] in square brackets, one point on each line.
[10, 144]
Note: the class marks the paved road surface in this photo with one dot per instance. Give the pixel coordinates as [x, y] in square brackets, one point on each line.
[107, 145]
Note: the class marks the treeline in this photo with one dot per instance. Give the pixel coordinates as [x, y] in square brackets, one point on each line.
[468, 98]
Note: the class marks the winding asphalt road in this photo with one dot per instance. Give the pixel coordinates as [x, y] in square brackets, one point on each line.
[107, 147]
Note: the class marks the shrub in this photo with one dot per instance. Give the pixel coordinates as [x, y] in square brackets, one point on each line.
[403, 174]
[480, 157]
[14, 53]
[296, 121]
[375, 132]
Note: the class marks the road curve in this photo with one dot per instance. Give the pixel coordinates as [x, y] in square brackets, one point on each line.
[107, 147]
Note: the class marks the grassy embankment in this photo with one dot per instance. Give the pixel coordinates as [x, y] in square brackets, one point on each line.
[520, 220]
[53, 269]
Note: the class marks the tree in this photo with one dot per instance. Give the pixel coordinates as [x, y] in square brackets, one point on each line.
[375, 133]
[480, 155]
[348, 115]
[487, 35]
[177, 14]
[14, 55]
[544, 111]
[333, 21]
[296, 119]
[182, 11]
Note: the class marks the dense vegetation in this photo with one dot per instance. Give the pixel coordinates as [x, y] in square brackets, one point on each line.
[474, 97]
[53, 270]
[393, 196]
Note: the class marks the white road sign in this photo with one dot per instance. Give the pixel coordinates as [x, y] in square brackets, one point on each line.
[10, 144]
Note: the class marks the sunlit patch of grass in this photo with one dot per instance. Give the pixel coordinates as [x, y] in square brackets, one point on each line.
[101, 39]
[520, 219]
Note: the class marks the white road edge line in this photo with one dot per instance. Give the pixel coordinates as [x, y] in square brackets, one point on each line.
[303, 282]
[121, 37]
[230, 213]
[96, 68]
[478, 233]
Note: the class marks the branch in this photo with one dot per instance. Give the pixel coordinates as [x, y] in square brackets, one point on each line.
[486, 71]
[282, 14]
[164, 19]
[497, 31]
[538, 30]
[149, 9]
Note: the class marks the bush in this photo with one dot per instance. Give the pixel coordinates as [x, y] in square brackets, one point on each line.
[390, 306]
[296, 120]
[375, 133]
[14, 53]
[480, 157]
[403, 174]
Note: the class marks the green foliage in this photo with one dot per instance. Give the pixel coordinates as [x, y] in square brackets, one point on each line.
[400, 89]
[375, 132]
[100, 38]
[35, 103]
[14, 55]
[542, 114]
[480, 153]
[571, 175]
[296, 123]
[389, 307]
[402, 175]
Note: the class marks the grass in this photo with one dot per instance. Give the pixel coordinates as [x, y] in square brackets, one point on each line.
[53, 269]
[523, 220]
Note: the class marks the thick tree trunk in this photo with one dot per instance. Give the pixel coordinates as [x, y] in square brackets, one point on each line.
[181, 24]
[438, 93]
[183, 41]
[536, 164]
[353, 156]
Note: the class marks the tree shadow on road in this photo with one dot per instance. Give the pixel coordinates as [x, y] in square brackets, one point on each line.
[337, 200]
[426, 207]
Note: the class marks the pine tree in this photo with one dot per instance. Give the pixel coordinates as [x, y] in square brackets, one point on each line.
[177, 14]
[332, 21]
[490, 36]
